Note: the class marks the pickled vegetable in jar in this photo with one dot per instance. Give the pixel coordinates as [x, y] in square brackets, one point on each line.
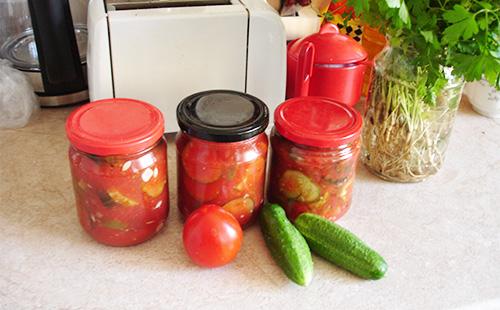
[315, 147]
[222, 152]
[118, 163]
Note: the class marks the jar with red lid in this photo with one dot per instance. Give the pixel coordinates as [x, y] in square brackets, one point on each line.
[315, 146]
[221, 152]
[118, 163]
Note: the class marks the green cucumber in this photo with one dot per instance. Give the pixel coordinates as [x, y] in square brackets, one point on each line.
[340, 247]
[287, 246]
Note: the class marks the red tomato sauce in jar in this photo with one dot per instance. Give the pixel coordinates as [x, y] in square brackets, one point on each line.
[118, 163]
[315, 147]
[222, 152]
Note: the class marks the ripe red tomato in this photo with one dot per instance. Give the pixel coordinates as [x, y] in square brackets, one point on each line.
[212, 236]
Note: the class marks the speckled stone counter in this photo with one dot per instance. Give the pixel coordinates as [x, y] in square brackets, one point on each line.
[441, 239]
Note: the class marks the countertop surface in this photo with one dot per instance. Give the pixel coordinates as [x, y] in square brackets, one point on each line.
[441, 239]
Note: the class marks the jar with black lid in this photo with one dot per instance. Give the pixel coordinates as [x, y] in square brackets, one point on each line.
[221, 152]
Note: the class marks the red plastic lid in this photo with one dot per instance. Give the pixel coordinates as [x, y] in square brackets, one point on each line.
[114, 127]
[331, 47]
[317, 121]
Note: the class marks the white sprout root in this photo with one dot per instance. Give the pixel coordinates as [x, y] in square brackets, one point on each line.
[404, 139]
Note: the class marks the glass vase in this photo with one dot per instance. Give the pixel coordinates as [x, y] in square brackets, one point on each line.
[404, 135]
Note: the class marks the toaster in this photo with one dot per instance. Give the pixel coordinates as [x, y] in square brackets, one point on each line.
[161, 51]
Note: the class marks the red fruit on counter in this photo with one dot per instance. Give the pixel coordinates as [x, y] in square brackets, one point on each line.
[212, 236]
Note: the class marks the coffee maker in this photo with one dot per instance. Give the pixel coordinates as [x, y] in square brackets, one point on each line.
[40, 38]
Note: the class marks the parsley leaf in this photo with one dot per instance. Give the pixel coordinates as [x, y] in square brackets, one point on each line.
[485, 5]
[463, 24]
[435, 34]
[403, 13]
[459, 13]
[430, 37]
[483, 23]
[473, 67]
[358, 5]
[394, 4]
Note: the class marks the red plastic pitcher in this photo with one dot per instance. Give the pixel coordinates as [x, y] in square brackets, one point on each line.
[327, 64]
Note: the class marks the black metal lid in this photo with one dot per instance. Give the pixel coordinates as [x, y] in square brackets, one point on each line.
[222, 115]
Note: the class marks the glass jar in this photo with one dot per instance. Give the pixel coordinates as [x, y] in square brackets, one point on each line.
[118, 163]
[404, 136]
[315, 146]
[221, 153]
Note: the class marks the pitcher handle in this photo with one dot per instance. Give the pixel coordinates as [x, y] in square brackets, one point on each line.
[304, 72]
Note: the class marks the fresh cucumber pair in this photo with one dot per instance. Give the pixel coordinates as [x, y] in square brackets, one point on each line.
[336, 244]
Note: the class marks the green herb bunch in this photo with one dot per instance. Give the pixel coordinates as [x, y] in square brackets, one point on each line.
[461, 34]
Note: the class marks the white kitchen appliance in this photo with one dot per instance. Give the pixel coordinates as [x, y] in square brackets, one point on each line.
[161, 51]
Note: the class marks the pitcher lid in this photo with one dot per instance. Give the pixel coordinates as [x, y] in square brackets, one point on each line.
[331, 47]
